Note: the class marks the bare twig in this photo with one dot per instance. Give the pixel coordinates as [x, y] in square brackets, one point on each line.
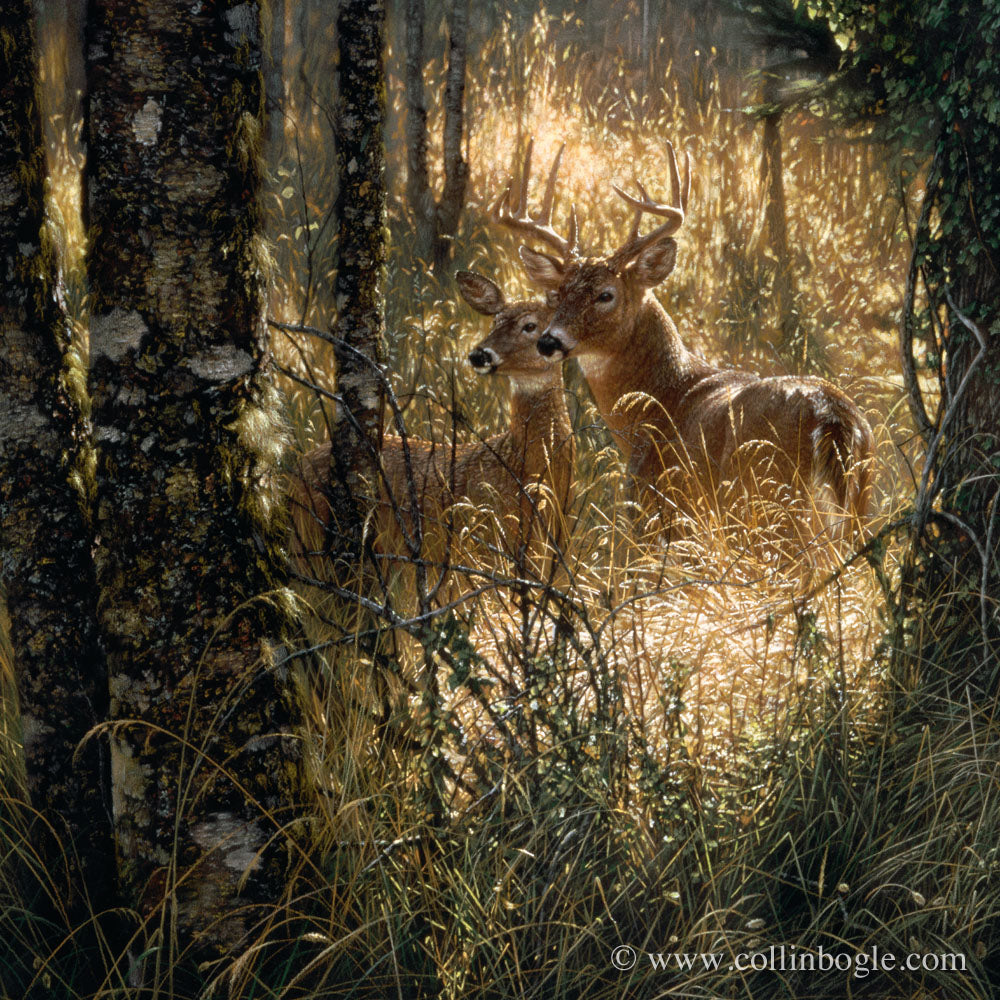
[925, 495]
[913, 393]
[988, 549]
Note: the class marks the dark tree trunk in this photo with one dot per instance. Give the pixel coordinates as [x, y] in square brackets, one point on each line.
[950, 613]
[361, 257]
[46, 568]
[205, 760]
[274, 78]
[418, 188]
[791, 342]
[436, 222]
[456, 170]
[772, 176]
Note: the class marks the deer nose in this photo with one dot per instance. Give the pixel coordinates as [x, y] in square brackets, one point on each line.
[484, 360]
[548, 344]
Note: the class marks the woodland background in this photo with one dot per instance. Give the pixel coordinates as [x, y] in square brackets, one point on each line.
[681, 752]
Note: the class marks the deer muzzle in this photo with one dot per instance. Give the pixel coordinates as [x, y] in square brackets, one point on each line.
[484, 360]
[555, 339]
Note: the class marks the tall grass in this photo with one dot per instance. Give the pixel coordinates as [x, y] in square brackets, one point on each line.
[676, 748]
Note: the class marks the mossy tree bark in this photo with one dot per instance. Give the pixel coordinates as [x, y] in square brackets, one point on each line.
[926, 72]
[361, 256]
[205, 760]
[46, 568]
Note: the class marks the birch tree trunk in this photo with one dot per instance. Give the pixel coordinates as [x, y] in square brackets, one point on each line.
[46, 570]
[205, 761]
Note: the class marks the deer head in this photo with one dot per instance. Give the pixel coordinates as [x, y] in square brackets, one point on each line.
[596, 299]
[511, 349]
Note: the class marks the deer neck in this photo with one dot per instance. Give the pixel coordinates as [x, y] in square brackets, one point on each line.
[648, 358]
[539, 422]
[538, 408]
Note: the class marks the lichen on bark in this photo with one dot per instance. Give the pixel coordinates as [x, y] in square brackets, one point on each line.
[192, 606]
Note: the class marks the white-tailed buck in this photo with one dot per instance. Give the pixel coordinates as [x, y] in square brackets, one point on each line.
[682, 423]
[523, 475]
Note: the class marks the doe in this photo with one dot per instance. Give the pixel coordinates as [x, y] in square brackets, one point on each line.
[522, 475]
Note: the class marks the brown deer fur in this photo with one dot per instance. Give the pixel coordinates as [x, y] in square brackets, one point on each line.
[672, 413]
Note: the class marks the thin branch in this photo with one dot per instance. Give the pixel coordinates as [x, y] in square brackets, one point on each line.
[913, 394]
[925, 496]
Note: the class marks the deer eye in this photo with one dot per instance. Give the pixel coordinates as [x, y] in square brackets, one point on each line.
[529, 327]
[606, 296]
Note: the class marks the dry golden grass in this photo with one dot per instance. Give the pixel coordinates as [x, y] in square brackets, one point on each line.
[682, 746]
[719, 671]
[715, 613]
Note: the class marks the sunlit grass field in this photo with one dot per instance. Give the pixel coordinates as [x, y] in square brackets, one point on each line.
[708, 619]
[683, 748]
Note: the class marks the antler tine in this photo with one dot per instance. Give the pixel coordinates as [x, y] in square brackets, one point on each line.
[522, 205]
[674, 212]
[675, 177]
[644, 204]
[574, 232]
[637, 217]
[499, 202]
[511, 208]
[545, 214]
[680, 195]
[641, 205]
[633, 233]
[686, 190]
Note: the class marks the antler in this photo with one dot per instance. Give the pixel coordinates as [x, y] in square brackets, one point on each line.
[673, 213]
[512, 212]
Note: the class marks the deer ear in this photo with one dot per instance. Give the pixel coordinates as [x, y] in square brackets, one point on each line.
[655, 262]
[542, 269]
[482, 294]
